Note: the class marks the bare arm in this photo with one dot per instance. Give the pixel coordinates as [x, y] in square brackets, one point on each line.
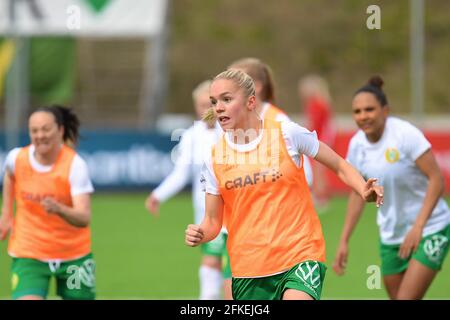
[7, 215]
[79, 215]
[355, 208]
[349, 175]
[211, 224]
[428, 166]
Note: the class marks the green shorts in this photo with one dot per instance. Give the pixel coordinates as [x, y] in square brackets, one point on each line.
[226, 266]
[218, 248]
[306, 276]
[75, 279]
[215, 247]
[431, 253]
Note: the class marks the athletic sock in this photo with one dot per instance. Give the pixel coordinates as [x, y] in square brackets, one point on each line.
[210, 283]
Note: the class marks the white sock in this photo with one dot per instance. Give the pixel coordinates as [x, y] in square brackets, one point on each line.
[210, 283]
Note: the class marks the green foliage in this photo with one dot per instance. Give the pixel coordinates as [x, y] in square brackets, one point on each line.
[311, 36]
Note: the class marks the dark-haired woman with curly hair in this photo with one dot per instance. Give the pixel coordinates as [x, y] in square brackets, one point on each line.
[49, 184]
[414, 222]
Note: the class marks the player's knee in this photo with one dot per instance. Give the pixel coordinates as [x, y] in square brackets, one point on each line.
[212, 262]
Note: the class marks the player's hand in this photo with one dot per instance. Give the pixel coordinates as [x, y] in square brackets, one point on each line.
[411, 242]
[152, 204]
[194, 234]
[5, 225]
[340, 261]
[373, 192]
[51, 205]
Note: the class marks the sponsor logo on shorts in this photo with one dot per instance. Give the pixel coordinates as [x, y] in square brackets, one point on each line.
[435, 246]
[84, 274]
[307, 273]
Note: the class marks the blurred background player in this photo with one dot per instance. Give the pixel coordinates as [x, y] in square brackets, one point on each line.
[49, 184]
[414, 221]
[275, 239]
[196, 140]
[317, 109]
[262, 76]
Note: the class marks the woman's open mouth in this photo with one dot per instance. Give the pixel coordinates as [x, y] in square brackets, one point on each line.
[223, 119]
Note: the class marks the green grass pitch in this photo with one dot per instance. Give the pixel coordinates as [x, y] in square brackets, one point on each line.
[139, 256]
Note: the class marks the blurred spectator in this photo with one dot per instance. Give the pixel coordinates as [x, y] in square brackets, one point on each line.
[316, 101]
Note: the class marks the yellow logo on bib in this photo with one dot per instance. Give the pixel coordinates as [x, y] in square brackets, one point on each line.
[392, 155]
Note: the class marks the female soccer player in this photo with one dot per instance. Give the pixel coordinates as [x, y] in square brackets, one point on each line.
[262, 76]
[50, 234]
[195, 142]
[414, 221]
[275, 238]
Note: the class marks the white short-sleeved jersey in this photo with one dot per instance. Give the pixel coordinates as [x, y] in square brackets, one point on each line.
[79, 179]
[280, 116]
[195, 143]
[392, 161]
[299, 141]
